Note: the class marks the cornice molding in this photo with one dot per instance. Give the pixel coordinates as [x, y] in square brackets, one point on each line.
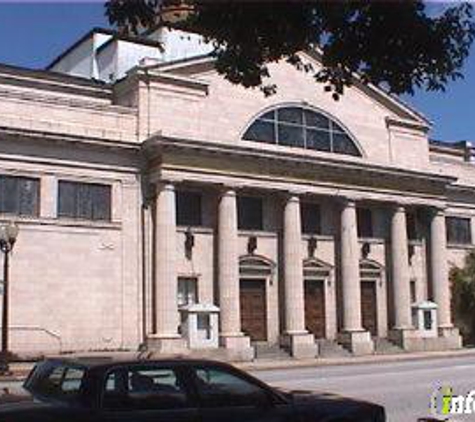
[407, 124]
[67, 102]
[159, 143]
[50, 81]
[28, 134]
[199, 86]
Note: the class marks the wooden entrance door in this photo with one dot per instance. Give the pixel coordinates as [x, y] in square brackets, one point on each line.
[253, 309]
[315, 307]
[369, 312]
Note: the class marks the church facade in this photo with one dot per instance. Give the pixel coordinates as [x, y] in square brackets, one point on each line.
[306, 221]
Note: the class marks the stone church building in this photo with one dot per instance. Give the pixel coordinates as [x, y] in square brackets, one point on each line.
[142, 181]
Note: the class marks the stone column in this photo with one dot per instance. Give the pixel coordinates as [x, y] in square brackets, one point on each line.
[439, 268]
[166, 338]
[297, 338]
[402, 333]
[400, 270]
[232, 338]
[353, 336]
[440, 279]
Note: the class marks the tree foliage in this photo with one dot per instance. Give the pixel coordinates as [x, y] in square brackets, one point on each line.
[394, 44]
[463, 298]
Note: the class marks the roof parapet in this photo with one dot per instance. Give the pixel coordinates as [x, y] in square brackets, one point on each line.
[464, 149]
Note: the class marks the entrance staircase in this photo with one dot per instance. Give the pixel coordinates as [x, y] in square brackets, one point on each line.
[265, 351]
[383, 346]
[331, 349]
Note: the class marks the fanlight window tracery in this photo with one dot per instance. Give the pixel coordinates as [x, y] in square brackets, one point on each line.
[302, 128]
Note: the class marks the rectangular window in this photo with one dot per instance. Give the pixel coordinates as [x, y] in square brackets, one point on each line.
[413, 291]
[19, 195]
[459, 230]
[85, 201]
[188, 209]
[310, 217]
[250, 213]
[411, 225]
[187, 291]
[365, 222]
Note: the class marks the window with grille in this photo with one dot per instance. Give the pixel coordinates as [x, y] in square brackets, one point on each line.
[86, 201]
[365, 222]
[412, 226]
[19, 195]
[187, 291]
[459, 230]
[310, 218]
[250, 213]
[188, 209]
[302, 128]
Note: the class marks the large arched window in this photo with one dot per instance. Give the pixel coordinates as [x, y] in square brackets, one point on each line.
[303, 128]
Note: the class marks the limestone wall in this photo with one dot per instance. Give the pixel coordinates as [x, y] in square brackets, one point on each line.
[75, 285]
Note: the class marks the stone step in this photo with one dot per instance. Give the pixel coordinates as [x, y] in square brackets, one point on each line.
[265, 351]
[331, 349]
[383, 346]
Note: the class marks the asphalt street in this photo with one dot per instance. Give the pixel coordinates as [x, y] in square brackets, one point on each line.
[403, 388]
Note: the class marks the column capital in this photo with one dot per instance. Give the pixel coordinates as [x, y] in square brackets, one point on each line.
[292, 197]
[438, 210]
[346, 201]
[397, 207]
[227, 191]
[164, 185]
[230, 188]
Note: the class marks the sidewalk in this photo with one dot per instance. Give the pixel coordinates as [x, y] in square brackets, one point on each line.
[19, 370]
[353, 360]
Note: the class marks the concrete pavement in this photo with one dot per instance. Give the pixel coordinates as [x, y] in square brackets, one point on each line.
[19, 370]
[402, 383]
[404, 387]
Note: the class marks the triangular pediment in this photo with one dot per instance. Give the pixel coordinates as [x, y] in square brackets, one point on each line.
[195, 67]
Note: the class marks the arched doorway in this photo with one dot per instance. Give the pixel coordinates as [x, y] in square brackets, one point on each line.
[316, 276]
[255, 273]
[370, 276]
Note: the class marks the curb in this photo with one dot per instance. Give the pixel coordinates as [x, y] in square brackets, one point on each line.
[19, 371]
[371, 359]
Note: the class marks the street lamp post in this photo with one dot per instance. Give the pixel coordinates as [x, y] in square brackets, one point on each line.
[8, 235]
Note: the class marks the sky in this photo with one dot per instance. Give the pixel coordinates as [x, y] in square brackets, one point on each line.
[33, 33]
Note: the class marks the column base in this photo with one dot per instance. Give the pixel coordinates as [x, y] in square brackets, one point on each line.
[237, 347]
[359, 343]
[168, 345]
[408, 339]
[450, 337]
[300, 345]
[418, 341]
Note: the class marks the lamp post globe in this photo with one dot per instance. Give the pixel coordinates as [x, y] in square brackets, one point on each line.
[12, 231]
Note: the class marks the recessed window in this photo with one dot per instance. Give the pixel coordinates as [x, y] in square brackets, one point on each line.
[310, 218]
[365, 222]
[19, 195]
[187, 291]
[459, 230]
[250, 213]
[413, 291]
[302, 128]
[86, 201]
[188, 209]
[411, 226]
